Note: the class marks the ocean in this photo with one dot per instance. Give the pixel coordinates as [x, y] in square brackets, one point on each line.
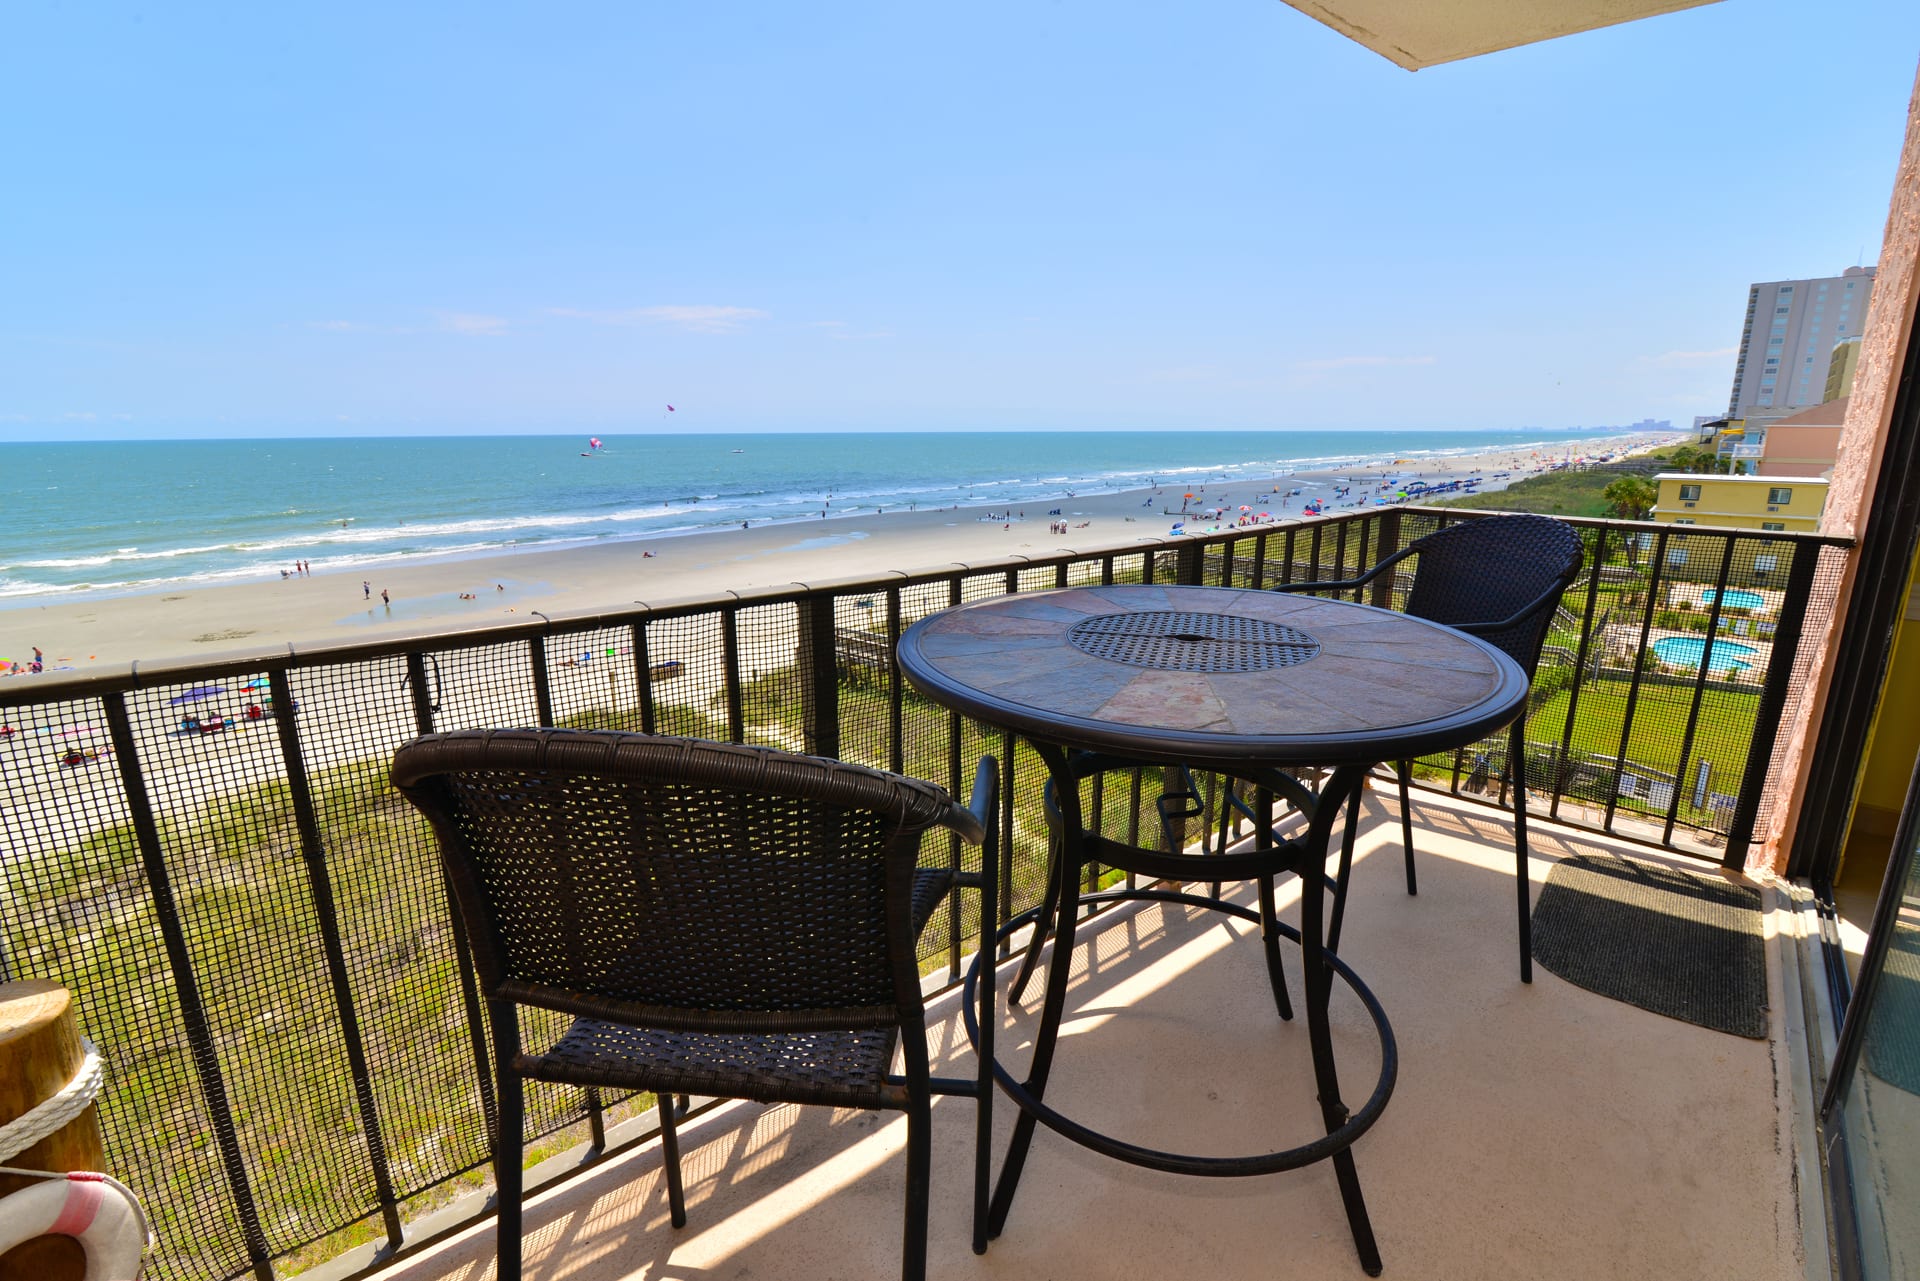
[115, 517]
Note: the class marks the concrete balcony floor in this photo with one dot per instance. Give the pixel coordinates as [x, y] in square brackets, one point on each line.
[1536, 1131]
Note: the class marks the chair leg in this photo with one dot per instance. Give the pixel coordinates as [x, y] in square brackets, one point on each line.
[913, 1260]
[507, 1140]
[1270, 939]
[670, 1158]
[1516, 750]
[1405, 770]
[1041, 924]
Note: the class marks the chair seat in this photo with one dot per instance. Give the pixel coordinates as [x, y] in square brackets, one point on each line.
[836, 1068]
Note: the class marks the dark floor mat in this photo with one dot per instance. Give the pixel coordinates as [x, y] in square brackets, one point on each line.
[1893, 1034]
[1675, 942]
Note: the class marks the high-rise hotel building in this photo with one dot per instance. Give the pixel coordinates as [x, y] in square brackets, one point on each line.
[1792, 327]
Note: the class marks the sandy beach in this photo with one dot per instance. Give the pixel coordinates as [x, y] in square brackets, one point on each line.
[458, 593]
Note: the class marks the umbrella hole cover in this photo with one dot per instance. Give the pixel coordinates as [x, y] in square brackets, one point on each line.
[1183, 641]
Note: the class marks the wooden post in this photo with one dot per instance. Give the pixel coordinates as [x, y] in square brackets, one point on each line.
[39, 1053]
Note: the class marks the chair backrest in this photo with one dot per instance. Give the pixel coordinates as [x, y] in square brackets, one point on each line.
[683, 883]
[1487, 570]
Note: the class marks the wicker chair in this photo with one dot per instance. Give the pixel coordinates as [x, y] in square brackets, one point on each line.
[720, 920]
[1499, 578]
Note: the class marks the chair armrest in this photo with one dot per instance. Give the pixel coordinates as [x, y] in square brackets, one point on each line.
[1348, 583]
[985, 805]
[1525, 612]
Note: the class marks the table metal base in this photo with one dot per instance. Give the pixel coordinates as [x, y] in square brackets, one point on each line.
[1306, 856]
[1027, 1095]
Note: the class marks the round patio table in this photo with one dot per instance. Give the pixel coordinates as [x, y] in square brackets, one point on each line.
[1247, 684]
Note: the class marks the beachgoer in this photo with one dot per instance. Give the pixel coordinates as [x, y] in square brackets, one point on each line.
[366, 590]
[386, 599]
[646, 555]
[39, 660]
[499, 587]
[743, 524]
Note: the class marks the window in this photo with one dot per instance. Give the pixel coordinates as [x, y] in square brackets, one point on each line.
[1676, 555]
[1683, 520]
[1765, 564]
[1689, 493]
[1779, 311]
[1780, 494]
[1768, 525]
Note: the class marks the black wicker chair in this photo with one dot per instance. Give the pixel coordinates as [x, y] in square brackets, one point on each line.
[720, 920]
[1499, 578]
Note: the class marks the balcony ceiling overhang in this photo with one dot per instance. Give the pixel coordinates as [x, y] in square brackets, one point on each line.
[1425, 33]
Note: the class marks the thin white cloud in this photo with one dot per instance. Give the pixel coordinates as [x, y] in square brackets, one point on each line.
[1692, 357]
[1364, 362]
[472, 323]
[337, 326]
[827, 324]
[706, 318]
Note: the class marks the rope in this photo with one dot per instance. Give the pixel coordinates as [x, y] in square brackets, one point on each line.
[49, 1115]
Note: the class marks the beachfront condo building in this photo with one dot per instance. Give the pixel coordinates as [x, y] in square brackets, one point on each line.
[1774, 503]
[1787, 341]
[1804, 444]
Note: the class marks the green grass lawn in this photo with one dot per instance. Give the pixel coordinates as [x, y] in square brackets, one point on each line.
[1659, 723]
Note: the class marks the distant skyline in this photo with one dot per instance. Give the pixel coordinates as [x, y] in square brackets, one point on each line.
[486, 219]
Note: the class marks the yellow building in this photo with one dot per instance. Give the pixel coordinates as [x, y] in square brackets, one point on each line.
[1785, 503]
[1840, 367]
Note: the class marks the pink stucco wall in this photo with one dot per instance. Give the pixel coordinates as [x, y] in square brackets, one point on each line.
[1896, 288]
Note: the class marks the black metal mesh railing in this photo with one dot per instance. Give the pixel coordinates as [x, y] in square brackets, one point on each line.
[258, 937]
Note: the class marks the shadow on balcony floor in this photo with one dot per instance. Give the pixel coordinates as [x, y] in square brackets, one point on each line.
[1537, 1131]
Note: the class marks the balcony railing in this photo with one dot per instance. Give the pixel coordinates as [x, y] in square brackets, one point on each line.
[257, 934]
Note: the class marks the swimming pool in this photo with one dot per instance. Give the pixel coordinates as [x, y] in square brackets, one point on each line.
[1735, 599]
[1685, 651]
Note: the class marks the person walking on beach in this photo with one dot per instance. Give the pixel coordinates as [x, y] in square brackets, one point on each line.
[386, 599]
[366, 590]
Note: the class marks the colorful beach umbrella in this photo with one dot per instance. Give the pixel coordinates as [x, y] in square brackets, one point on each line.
[258, 682]
[196, 694]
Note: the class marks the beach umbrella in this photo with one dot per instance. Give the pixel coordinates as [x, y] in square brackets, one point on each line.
[258, 682]
[196, 694]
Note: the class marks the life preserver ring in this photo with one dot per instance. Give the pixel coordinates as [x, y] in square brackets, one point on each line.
[93, 1209]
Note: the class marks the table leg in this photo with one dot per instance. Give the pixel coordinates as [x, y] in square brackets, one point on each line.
[1319, 985]
[1056, 871]
[1346, 860]
[1066, 909]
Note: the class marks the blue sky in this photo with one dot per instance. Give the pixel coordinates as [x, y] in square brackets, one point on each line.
[266, 220]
